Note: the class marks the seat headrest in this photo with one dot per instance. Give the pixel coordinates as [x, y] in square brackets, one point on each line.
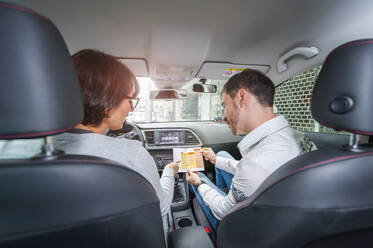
[342, 97]
[39, 89]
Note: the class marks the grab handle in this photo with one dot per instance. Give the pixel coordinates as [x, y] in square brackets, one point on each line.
[307, 52]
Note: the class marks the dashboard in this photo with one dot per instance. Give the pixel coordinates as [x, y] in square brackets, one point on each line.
[160, 138]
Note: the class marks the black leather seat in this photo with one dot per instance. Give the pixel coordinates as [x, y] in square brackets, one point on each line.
[323, 198]
[57, 200]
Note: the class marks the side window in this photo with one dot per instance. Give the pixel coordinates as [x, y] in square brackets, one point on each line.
[292, 99]
[20, 148]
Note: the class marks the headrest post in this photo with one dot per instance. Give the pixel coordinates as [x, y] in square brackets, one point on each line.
[354, 140]
[48, 148]
[354, 144]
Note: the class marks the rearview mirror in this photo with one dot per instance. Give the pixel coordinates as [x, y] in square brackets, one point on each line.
[204, 88]
[168, 94]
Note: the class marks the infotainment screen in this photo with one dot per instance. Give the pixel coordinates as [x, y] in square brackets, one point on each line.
[170, 137]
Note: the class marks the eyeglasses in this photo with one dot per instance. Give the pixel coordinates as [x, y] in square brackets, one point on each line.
[133, 101]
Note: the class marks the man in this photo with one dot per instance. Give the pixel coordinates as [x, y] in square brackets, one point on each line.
[269, 143]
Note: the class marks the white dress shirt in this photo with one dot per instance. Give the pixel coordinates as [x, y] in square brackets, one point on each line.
[263, 150]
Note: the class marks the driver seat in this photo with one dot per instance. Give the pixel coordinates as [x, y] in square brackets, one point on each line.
[58, 200]
[322, 198]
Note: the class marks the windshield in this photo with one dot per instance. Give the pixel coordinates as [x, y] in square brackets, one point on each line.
[196, 107]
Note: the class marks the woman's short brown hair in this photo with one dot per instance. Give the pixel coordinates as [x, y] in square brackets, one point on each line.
[104, 81]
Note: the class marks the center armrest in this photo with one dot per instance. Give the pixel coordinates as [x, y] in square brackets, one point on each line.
[192, 236]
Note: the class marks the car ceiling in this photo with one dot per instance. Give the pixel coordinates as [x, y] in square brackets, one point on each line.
[187, 33]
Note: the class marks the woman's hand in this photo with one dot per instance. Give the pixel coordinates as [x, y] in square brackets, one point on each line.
[174, 166]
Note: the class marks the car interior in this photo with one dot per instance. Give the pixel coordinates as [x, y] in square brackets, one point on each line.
[319, 54]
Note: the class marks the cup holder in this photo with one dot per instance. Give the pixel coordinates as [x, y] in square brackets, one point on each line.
[183, 222]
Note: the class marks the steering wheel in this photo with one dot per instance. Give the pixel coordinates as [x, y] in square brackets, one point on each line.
[128, 131]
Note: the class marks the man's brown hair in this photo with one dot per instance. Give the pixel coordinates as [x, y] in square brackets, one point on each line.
[253, 81]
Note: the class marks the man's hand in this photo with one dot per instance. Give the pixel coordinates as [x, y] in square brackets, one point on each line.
[209, 154]
[174, 166]
[192, 177]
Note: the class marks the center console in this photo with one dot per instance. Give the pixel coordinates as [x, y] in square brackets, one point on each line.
[160, 144]
[162, 157]
[181, 198]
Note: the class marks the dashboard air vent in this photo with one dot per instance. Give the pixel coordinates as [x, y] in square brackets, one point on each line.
[149, 135]
[190, 139]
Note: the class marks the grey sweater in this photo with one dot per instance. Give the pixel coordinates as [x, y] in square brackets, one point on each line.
[127, 152]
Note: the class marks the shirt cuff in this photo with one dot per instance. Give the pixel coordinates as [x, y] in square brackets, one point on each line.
[168, 172]
[203, 188]
[221, 163]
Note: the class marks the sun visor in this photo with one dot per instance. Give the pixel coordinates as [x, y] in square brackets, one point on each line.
[171, 84]
[138, 66]
[224, 70]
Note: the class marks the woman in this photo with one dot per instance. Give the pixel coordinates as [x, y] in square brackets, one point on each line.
[110, 92]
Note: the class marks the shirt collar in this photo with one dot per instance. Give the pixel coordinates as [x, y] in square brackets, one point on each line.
[267, 128]
[79, 131]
